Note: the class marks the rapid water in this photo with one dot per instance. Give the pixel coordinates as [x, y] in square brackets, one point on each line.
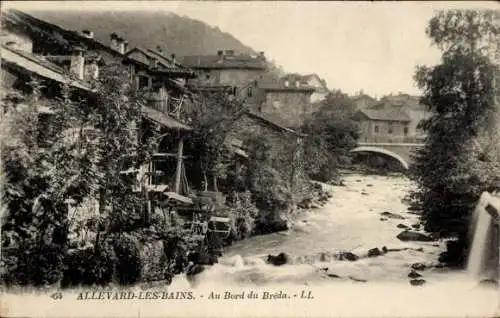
[314, 283]
[373, 286]
[484, 246]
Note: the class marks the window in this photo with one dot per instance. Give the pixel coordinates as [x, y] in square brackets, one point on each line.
[249, 92]
[406, 130]
[143, 82]
[376, 129]
[207, 76]
[389, 129]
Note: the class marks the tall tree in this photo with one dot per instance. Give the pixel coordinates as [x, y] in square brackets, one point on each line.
[331, 133]
[451, 170]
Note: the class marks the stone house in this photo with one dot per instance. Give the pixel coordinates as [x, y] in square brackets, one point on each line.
[311, 80]
[280, 101]
[412, 107]
[32, 46]
[225, 70]
[383, 125]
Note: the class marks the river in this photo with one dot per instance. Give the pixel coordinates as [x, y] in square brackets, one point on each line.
[374, 286]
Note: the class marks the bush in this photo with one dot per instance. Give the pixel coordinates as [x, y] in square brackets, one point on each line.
[32, 265]
[88, 267]
[128, 259]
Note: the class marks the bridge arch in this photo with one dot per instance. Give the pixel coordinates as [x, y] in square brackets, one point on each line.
[382, 151]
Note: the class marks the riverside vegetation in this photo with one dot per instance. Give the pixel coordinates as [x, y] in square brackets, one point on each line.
[77, 154]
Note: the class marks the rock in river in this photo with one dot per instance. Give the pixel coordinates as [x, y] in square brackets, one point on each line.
[418, 266]
[392, 215]
[374, 252]
[402, 226]
[413, 236]
[413, 274]
[417, 282]
[277, 260]
[348, 256]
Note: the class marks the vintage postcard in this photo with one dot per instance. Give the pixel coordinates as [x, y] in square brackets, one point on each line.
[250, 159]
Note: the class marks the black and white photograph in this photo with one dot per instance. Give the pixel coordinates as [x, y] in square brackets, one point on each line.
[250, 159]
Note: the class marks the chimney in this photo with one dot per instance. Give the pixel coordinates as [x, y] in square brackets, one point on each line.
[114, 41]
[124, 47]
[77, 66]
[173, 57]
[153, 63]
[88, 34]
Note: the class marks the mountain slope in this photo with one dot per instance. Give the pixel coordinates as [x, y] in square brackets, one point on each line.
[173, 33]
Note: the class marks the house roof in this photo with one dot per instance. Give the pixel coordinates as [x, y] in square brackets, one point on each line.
[63, 37]
[165, 65]
[269, 83]
[385, 114]
[163, 119]
[40, 66]
[240, 61]
[270, 123]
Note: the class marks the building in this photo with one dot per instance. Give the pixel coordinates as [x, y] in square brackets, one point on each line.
[311, 80]
[411, 105]
[383, 125]
[281, 101]
[32, 47]
[226, 69]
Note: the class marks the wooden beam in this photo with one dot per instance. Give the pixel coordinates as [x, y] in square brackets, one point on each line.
[179, 166]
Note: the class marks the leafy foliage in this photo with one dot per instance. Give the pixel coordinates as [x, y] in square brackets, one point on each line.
[331, 134]
[454, 166]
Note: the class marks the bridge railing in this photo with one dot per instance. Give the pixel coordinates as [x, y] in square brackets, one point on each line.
[393, 139]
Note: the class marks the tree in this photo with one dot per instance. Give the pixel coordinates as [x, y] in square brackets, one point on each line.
[331, 134]
[451, 170]
[212, 118]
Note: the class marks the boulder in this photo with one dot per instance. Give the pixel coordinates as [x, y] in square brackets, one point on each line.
[392, 215]
[417, 282]
[413, 274]
[413, 236]
[402, 226]
[416, 226]
[333, 275]
[364, 193]
[358, 279]
[194, 269]
[418, 266]
[348, 256]
[489, 283]
[374, 252]
[369, 185]
[383, 219]
[315, 205]
[384, 249]
[277, 260]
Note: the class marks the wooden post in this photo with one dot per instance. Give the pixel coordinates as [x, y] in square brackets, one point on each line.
[178, 169]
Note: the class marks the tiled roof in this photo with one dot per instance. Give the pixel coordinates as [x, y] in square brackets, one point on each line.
[385, 114]
[52, 31]
[270, 83]
[242, 61]
[168, 67]
[271, 123]
[39, 65]
[163, 119]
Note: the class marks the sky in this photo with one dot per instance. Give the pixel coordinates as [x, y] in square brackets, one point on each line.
[355, 46]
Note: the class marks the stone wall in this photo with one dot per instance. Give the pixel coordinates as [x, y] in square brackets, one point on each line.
[287, 108]
[247, 125]
[231, 77]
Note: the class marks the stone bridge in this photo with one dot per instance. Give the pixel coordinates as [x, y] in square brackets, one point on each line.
[399, 151]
